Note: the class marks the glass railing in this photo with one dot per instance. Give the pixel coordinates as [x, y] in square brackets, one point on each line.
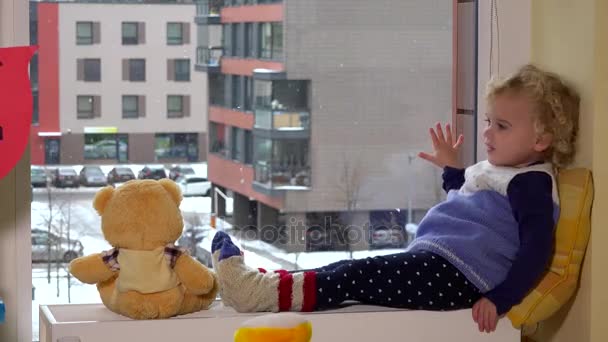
[209, 56]
[208, 8]
[282, 120]
[277, 176]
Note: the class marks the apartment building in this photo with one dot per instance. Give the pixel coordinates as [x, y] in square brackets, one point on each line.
[115, 83]
[317, 108]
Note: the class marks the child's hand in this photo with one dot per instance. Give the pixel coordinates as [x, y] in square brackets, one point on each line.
[484, 314]
[446, 150]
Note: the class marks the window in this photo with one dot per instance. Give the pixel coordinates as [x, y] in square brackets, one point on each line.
[236, 150]
[182, 70]
[236, 92]
[84, 33]
[88, 106]
[134, 70]
[178, 33]
[227, 39]
[249, 52]
[216, 89]
[178, 106]
[36, 108]
[217, 139]
[248, 147]
[106, 146]
[133, 106]
[130, 34]
[271, 41]
[89, 70]
[176, 145]
[248, 93]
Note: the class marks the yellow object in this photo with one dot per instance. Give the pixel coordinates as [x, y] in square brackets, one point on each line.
[281, 327]
[144, 216]
[571, 238]
[145, 271]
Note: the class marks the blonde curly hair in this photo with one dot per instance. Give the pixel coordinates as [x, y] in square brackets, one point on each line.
[556, 108]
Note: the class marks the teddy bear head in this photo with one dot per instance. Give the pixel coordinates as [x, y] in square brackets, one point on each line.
[140, 214]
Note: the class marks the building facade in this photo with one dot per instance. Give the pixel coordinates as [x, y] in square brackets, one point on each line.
[317, 109]
[115, 84]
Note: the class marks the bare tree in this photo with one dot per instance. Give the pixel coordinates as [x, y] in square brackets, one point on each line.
[349, 183]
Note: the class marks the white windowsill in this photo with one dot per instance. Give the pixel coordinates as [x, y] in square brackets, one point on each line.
[94, 323]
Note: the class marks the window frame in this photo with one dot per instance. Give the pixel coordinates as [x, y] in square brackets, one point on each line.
[132, 70]
[82, 114]
[175, 40]
[174, 114]
[130, 114]
[126, 40]
[85, 40]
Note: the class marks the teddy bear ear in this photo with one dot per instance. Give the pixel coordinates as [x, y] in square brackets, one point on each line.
[172, 189]
[102, 198]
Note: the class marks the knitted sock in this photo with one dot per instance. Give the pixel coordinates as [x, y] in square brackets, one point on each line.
[250, 290]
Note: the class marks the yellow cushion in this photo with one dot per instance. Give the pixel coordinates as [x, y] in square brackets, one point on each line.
[571, 237]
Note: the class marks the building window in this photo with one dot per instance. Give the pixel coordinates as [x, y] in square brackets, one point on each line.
[236, 147]
[182, 70]
[134, 70]
[249, 52]
[248, 147]
[236, 92]
[130, 34]
[248, 93]
[88, 106]
[271, 41]
[84, 33]
[133, 106]
[106, 146]
[176, 145]
[217, 133]
[226, 39]
[216, 89]
[178, 33]
[178, 106]
[35, 111]
[89, 70]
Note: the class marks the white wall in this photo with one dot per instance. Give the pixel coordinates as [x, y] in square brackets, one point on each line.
[111, 51]
[15, 247]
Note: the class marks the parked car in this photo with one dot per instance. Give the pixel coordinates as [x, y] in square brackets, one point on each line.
[92, 176]
[61, 250]
[152, 172]
[38, 177]
[180, 170]
[119, 175]
[193, 185]
[387, 237]
[64, 177]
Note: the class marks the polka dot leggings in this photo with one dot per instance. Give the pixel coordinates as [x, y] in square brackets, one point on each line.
[414, 280]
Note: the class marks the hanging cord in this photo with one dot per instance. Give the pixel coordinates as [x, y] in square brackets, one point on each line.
[494, 22]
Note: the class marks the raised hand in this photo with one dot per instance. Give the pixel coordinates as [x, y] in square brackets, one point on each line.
[446, 149]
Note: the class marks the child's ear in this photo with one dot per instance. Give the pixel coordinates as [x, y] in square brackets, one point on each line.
[543, 142]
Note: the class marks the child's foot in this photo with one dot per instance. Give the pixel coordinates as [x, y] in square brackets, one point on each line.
[249, 290]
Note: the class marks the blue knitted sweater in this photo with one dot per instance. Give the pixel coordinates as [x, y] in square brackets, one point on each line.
[496, 228]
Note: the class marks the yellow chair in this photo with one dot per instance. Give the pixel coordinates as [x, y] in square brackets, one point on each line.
[571, 238]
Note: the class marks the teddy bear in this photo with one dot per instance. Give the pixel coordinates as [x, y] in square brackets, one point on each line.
[145, 276]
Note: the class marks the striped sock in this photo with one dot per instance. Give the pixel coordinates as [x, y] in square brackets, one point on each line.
[250, 290]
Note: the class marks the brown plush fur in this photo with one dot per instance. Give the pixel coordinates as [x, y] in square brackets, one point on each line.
[144, 215]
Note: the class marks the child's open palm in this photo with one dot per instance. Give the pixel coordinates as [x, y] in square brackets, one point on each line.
[446, 149]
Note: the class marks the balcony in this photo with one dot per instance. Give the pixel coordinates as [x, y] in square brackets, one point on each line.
[281, 108]
[208, 58]
[208, 12]
[275, 176]
[281, 120]
[280, 164]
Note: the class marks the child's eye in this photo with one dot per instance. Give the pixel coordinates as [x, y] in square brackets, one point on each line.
[502, 126]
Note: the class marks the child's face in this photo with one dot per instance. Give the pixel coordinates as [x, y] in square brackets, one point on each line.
[510, 137]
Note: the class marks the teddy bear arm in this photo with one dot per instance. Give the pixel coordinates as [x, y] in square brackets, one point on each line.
[197, 278]
[90, 269]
